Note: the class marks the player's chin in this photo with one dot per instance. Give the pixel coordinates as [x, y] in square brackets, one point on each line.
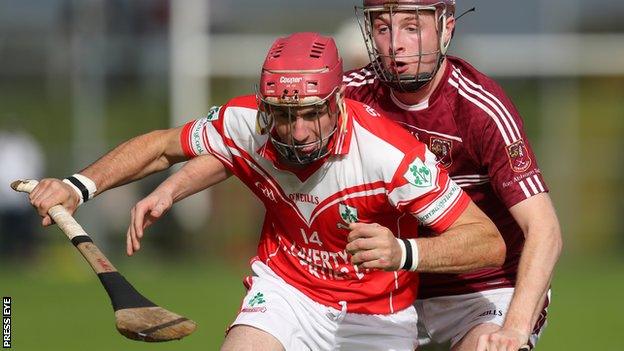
[416, 68]
[309, 152]
[309, 149]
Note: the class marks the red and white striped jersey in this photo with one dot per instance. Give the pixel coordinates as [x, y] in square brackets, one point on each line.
[376, 172]
[477, 135]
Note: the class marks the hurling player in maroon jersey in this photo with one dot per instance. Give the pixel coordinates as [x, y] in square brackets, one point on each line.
[475, 131]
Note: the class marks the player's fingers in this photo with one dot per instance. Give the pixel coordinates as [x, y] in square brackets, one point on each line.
[49, 190]
[356, 225]
[363, 256]
[374, 264]
[152, 217]
[130, 242]
[511, 344]
[132, 231]
[369, 256]
[35, 201]
[36, 192]
[504, 345]
[129, 250]
[364, 230]
[493, 343]
[47, 220]
[159, 209]
[43, 203]
[137, 215]
[482, 342]
[154, 214]
[48, 202]
[361, 244]
[136, 243]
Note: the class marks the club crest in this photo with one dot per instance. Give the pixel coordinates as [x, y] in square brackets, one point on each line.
[213, 113]
[442, 149]
[418, 174]
[347, 213]
[518, 156]
[257, 299]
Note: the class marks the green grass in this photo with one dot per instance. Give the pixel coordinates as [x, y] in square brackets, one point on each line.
[587, 308]
[71, 311]
[61, 305]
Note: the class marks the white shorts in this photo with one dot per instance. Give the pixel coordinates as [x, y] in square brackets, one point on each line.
[300, 323]
[449, 318]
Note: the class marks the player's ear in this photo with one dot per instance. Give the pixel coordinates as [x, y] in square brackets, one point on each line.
[450, 29]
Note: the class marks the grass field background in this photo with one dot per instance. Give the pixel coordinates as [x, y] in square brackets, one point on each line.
[59, 304]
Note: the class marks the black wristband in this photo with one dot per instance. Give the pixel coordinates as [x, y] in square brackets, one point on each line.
[83, 188]
[408, 254]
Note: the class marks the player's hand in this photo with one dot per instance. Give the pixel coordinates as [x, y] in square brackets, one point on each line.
[502, 340]
[373, 246]
[144, 214]
[50, 192]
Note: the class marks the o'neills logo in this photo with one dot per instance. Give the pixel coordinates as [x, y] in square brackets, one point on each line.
[260, 309]
[290, 80]
[297, 197]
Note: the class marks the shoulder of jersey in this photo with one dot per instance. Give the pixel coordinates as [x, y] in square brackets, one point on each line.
[359, 77]
[373, 121]
[477, 91]
[248, 101]
[471, 77]
[244, 101]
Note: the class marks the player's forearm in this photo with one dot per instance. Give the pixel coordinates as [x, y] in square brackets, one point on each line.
[540, 254]
[462, 249]
[195, 176]
[135, 159]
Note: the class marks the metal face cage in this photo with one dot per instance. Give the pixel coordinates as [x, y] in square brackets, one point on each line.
[286, 109]
[402, 82]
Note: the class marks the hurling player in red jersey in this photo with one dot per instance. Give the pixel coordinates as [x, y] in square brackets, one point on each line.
[475, 131]
[326, 169]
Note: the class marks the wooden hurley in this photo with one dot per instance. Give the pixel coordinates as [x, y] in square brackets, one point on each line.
[136, 317]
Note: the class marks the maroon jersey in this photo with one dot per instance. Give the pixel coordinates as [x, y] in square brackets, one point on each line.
[477, 135]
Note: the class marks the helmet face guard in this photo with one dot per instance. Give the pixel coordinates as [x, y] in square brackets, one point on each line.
[385, 65]
[301, 79]
[286, 111]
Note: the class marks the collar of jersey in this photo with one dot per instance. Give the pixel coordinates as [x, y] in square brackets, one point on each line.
[418, 107]
[434, 96]
[339, 145]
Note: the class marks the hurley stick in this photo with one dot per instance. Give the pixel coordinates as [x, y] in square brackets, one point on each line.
[136, 317]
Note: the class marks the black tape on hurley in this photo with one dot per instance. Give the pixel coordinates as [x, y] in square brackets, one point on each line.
[122, 293]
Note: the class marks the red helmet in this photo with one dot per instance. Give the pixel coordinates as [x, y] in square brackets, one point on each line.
[449, 4]
[404, 82]
[303, 69]
[302, 66]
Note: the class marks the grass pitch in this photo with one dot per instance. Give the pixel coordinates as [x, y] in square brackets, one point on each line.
[61, 306]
